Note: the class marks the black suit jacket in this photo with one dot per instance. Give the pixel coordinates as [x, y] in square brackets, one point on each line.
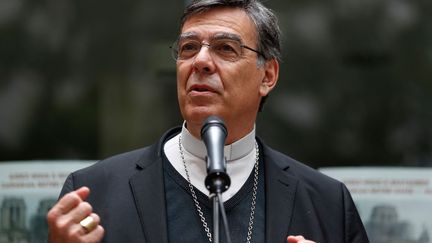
[127, 192]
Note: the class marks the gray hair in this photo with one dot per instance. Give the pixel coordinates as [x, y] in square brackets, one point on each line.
[265, 21]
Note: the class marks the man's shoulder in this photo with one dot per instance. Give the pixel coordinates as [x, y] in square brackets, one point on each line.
[119, 163]
[299, 170]
[128, 162]
[136, 156]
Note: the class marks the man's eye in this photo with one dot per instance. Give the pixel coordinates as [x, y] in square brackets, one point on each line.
[225, 48]
[188, 47]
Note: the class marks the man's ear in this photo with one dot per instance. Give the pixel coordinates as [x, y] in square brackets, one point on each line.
[271, 75]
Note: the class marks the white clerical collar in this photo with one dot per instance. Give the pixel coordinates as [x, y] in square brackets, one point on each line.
[234, 151]
[241, 158]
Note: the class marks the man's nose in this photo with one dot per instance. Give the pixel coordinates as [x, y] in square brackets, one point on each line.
[203, 61]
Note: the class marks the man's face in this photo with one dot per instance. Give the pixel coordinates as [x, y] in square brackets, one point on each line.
[210, 85]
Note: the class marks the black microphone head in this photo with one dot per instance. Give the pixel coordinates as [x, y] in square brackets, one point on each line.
[213, 134]
[213, 121]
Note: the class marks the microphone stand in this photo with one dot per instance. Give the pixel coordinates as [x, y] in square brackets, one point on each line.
[215, 218]
[217, 183]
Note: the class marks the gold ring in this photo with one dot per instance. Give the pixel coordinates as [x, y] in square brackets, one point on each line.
[88, 224]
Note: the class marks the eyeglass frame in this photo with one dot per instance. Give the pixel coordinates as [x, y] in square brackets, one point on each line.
[174, 47]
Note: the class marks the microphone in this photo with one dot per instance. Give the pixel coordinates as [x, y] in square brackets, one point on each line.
[214, 133]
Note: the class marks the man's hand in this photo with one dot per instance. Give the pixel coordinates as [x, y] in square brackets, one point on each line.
[65, 216]
[298, 239]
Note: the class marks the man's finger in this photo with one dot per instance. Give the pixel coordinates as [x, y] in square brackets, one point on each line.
[80, 212]
[292, 239]
[94, 235]
[298, 239]
[71, 200]
[83, 192]
[63, 206]
[90, 224]
[67, 203]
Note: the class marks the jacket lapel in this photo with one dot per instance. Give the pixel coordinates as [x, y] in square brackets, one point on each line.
[149, 193]
[280, 195]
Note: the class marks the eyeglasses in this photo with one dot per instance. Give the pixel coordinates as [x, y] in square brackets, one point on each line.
[223, 49]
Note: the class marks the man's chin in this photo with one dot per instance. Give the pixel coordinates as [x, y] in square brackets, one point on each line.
[197, 115]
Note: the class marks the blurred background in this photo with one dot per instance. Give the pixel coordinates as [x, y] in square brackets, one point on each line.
[83, 80]
[89, 79]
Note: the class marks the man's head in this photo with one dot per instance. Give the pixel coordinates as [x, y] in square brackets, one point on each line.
[227, 62]
[265, 21]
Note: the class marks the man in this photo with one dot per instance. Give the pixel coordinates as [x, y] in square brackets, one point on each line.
[227, 63]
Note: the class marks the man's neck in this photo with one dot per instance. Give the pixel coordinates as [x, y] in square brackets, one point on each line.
[233, 151]
[234, 134]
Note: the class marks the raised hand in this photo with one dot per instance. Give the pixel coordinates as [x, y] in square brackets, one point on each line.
[66, 220]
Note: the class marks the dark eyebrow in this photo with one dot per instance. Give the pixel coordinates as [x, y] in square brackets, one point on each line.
[226, 35]
[217, 36]
[188, 35]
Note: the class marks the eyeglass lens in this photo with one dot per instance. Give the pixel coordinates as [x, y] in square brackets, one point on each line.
[224, 49]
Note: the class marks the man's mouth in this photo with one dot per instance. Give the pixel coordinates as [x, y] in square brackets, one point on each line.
[201, 88]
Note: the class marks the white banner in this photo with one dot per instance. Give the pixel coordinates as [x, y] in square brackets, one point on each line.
[395, 204]
[27, 191]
